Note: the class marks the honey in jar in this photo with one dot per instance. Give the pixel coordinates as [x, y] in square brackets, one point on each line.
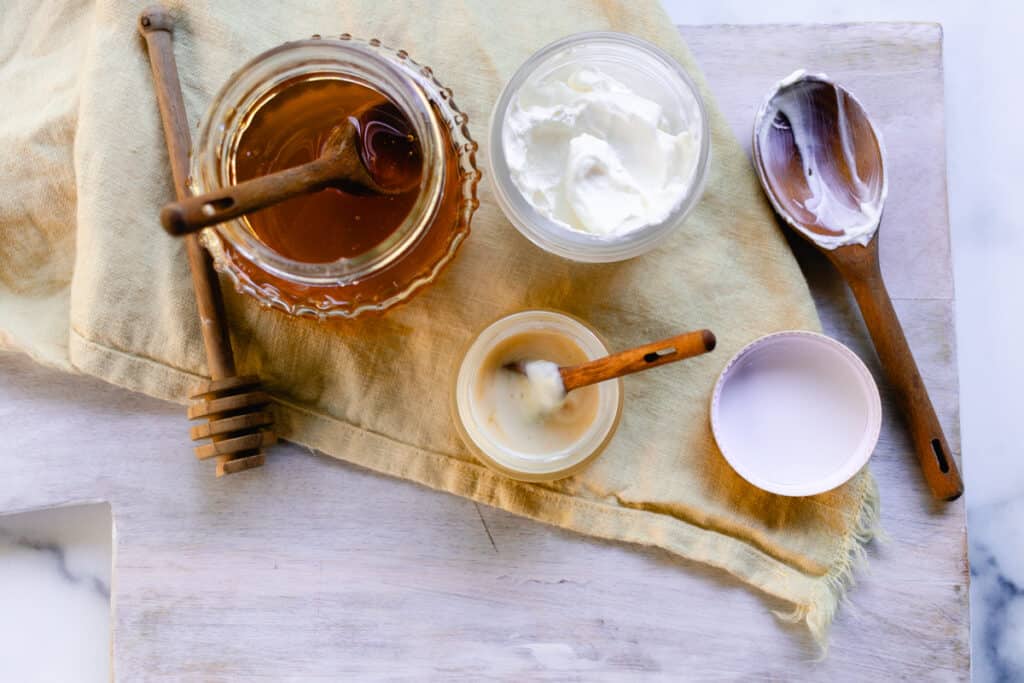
[294, 128]
[339, 252]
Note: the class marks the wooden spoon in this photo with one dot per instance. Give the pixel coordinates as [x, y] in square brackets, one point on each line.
[340, 165]
[627, 362]
[822, 165]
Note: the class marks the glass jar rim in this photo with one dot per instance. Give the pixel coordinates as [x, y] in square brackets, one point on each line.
[544, 232]
[265, 74]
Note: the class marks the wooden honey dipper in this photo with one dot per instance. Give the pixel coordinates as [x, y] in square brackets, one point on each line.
[239, 422]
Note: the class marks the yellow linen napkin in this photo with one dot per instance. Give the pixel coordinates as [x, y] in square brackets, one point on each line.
[88, 280]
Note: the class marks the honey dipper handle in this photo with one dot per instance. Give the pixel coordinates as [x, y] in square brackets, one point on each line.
[191, 214]
[860, 267]
[156, 25]
[669, 350]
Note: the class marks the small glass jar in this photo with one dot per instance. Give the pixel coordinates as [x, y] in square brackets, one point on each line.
[409, 258]
[653, 74]
[470, 420]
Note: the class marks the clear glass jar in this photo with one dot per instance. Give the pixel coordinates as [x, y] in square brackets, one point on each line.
[650, 72]
[409, 258]
[470, 420]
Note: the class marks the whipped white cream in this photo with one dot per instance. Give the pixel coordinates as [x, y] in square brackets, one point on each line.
[593, 155]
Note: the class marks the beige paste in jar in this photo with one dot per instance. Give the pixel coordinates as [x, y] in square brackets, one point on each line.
[507, 401]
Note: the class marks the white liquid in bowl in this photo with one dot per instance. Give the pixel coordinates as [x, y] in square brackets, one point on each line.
[796, 413]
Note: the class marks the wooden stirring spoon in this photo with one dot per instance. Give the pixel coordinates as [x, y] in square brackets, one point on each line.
[627, 362]
[340, 164]
[822, 165]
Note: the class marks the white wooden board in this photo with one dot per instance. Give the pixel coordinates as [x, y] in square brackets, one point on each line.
[312, 568]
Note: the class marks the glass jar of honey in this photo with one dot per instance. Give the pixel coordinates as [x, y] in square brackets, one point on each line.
[338, 253]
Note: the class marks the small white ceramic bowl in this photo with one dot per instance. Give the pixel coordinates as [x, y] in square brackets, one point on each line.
[796, 413]
[655, 75]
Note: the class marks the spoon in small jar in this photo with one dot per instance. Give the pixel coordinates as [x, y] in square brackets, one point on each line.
[371, 152]
[550, 383]
[822, 164]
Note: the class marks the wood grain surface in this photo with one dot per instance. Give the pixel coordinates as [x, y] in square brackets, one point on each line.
[310, 568]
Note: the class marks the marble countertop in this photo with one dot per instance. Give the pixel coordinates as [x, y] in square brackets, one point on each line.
[55, 564]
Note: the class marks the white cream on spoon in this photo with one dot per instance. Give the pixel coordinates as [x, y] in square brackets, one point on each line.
[837, 205]
[547, 384]
[544, 391]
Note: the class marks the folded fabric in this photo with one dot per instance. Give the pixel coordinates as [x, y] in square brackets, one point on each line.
[89, 282]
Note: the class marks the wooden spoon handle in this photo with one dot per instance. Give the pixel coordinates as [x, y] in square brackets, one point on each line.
[156, 25]
[626, 362]
[194, 213]
[933, 454]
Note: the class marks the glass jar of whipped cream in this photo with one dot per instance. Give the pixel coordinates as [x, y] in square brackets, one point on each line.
[499, 421]
[598, 147]
[332, 253]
